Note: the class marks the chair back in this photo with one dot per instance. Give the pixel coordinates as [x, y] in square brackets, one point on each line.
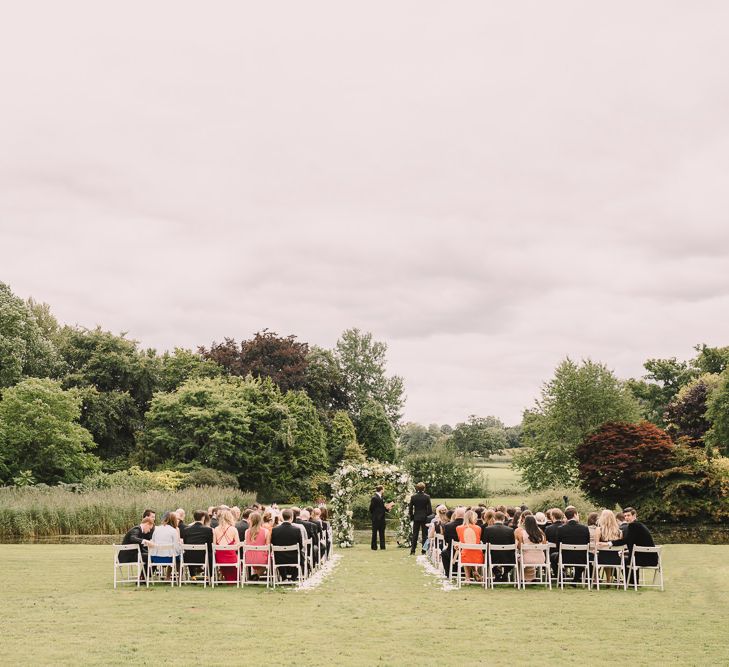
[125, 548]
[502, 553]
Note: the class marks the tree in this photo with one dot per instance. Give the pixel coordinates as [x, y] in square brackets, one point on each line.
[362, 363]
[324, 382]
[579, 399]
[445, 473]
[341, 436]
[40, 433]
[183, 365]
[418, 438]
[686, 414]
[354, 453]
[267, 354]
[273, 442]
[616, 461]
[375, 432]
[713, 360]
[24, 350]
[479, 436]
[717, 412]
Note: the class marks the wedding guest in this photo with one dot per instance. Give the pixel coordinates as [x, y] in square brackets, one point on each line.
[608, 531]
[198, 533]
[620, 518]
[592, 527]
[439, 521]
[470, 533]
[287, 534]
[213, 513]
[267, 518]
[150, 513]
[256, 536]
[242, 524]
[140, 535]
[450, 533]
[225, 533]
[551, 533]
[500, 533]
[637, 535]
[325, 524]
[573, 532]
[531, 534]
[180, 514]
[312, 533]
[166, 534]
[514, 523]
[488, 517]
[510, 513]
[541, 519]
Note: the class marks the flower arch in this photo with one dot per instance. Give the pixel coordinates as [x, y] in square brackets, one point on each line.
[351, 479]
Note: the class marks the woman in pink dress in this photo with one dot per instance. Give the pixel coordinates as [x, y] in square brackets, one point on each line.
[531, 533]
[257, 536]
[226, 533]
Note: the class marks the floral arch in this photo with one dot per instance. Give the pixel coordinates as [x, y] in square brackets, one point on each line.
[352, 479]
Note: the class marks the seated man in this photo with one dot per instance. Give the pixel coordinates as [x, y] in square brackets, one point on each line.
[451, 535]
[285, 535]
[573, 532]
[312, 533]
[141, 535]
[500, 533]
[636, 534]
[198, 533]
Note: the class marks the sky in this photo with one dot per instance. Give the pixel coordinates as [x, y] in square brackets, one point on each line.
[486, 187]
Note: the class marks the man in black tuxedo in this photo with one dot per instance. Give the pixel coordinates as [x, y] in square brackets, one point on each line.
[500, 533]
[551, 533]
[419, 509]
[378, 509]
[242, 526]
[198, 533]
[141, 535]
[312, 533]
[451, 535]
[286, 535]
[573, 532]
[636, 534]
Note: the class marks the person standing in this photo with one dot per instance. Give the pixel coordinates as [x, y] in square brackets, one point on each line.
[419, 509]
[378, 509]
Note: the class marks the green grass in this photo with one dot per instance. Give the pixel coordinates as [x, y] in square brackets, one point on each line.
[500, 477]
[377, 608]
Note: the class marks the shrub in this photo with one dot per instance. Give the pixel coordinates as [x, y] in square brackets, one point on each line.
[617, 460]
[445, 474]
[137, 479]
[209, 477]
[543, 500]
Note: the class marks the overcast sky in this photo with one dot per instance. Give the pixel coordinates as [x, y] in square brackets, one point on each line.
[487, 187]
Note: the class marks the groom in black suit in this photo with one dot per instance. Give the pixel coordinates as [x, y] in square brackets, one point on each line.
[378, 509]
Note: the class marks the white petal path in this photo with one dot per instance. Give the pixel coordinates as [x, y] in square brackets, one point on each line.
[430, 569]
[315, 580]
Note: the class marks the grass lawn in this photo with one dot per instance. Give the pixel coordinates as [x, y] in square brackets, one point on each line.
[376, 608]
[500, 476]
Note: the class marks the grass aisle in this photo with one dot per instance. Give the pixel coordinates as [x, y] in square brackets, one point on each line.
[376, 608]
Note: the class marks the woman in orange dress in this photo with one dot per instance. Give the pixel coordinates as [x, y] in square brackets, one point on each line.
[470, 533]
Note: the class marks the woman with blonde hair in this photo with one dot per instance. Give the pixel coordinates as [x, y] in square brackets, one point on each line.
[226, 533]
[470, 533]
[608, 530]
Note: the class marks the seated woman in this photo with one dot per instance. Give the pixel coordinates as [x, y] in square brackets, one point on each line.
[165, 535]
[531, 533]
[592, 526]
[226, 533]
[256, 536]
[608, 530]
[470, 533]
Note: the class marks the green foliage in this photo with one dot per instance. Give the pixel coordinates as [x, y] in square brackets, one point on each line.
[686, 413]
[134, 478]
[717, 412]
[324, 381]
[209, 477]
[39, 432]
[272, 442]
[342, 434]
[375, 432]
[24, 349]
[362, 365]
[617, 461]
[479, 436]
[541, 501]
[39, 512]
[354, 453]
[579, 398]
[183, 365]
[418, 438]
[445, 473]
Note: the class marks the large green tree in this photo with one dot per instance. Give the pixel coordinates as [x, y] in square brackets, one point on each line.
[40, 433]
[24, 349]
[420, 438]
[375, 432]
[576, 401]
[363, 365]
[479, 436]
[717, 413]
[342, 434]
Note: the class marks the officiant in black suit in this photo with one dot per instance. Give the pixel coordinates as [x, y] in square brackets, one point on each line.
[419, 509]
[378, 509]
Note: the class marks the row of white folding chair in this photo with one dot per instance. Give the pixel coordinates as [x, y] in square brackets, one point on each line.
[488, 565]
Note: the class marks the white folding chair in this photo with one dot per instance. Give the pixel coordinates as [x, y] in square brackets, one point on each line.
[197, 556]
[574, 560]
[156, 570]
[245, 576]
[543, 569]
[602, 564]
[323, 548]
[308, 557]
[455, 560]
[657, 568]
[483, 548]
[275, 578]
[123, 570]
[437, 544]
[221, 548]
[513, 563]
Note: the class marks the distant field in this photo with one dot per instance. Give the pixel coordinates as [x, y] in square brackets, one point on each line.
[501, 477]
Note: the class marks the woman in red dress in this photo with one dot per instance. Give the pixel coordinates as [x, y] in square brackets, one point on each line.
[226, 533]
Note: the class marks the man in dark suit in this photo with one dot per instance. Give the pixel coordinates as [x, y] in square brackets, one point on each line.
[500, 533]
[451, 535]
[312, 533]
[636, 534]
[242, 526]
[551, 534]
[141, 535]
[378, 509]
[198, 533]
[573, 532]
[286, 535]
[419, 510]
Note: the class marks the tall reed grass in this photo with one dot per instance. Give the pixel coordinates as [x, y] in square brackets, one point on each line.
[31, 512]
